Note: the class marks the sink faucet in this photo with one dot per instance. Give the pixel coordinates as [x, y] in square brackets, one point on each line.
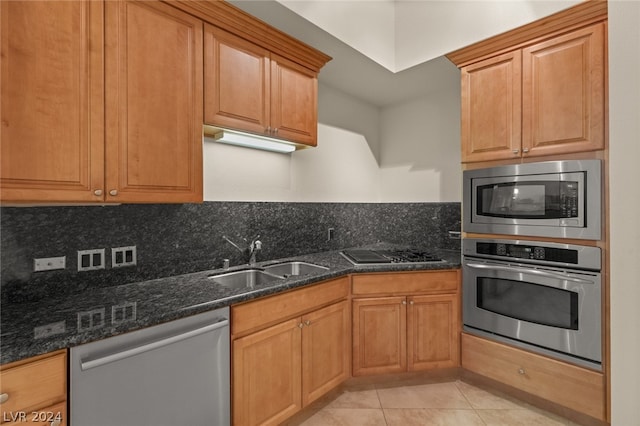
[251, 251]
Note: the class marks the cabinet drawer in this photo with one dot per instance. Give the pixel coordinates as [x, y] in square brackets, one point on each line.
[261, 313]
[406, 282]
[33, 385]
[55, 415]
[574, 387]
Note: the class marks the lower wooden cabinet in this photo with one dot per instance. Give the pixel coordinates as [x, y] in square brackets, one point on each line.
[395, 333]
[577, 388]
[34, 391]
[284, 367]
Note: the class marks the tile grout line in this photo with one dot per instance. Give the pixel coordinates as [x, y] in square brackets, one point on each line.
[469, 402]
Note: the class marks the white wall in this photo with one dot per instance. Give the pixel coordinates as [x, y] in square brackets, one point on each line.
[624, 139]
[420, 149]
[405, 153]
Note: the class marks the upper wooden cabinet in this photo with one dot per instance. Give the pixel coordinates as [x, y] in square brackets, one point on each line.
[563, 93]
[491, 108]
[538, 90]
[153, 103]
[247, 87]
[56, 144]
[52, 89]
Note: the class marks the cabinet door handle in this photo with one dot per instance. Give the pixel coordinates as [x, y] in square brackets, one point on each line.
[113, 192]
[268, 130]
[521, 371]
[4, 398]
[97, 192]
[404, 302]
[275, 131]
[300, 325]
[307, 323]
[516, 151]
[525, 150]
[411, 302]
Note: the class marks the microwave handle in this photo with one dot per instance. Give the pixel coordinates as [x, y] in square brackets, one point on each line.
[528, 271]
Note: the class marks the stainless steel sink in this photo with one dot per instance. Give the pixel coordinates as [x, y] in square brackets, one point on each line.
[245, 278]
[287, 269]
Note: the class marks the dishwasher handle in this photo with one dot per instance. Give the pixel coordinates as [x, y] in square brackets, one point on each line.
[117, 356]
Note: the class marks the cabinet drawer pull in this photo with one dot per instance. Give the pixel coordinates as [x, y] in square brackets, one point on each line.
[307, 323]
[113, 192]
[4, 398]
[521, 371]
[516, 151]
[525, 150]
[97, 192]
[275, 131]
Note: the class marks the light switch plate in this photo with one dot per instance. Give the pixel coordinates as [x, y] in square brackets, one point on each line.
[49, 263]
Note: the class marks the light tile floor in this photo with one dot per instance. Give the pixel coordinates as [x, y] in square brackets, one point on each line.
[452, 403]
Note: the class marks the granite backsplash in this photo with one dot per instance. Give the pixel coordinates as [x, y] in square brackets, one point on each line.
[184, 238]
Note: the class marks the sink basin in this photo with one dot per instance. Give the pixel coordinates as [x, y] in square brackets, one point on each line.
[246, 278]
[294, 268]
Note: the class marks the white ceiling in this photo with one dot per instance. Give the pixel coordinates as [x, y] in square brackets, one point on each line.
[387, 52]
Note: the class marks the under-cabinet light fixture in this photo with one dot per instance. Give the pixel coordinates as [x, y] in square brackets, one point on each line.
[248, 140]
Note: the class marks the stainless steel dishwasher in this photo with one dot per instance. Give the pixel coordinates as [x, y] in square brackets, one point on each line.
[170, 374]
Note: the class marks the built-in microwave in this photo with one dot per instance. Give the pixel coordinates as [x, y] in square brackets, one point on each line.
[559, 199]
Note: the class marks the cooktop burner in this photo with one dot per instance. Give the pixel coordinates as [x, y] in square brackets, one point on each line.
[381, 257]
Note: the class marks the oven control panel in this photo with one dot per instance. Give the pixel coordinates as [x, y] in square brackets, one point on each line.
[524, 251]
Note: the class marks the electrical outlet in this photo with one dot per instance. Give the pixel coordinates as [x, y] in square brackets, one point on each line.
[49, 263]
[331, 234]
[89, 260]
[123, 256]
[47, 330]
[90, 320]
[123, 312]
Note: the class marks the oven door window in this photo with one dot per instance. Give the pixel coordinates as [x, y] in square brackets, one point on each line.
[529, 302]
[528, 200]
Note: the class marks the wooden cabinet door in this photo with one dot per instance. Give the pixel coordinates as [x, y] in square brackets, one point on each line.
[267, 375]
[491, 109]
[326, 348]
[563, 94]
[433, 332]
[153, 103]
[236, 82]
[379, 335]
[294, 101]
[51, 127]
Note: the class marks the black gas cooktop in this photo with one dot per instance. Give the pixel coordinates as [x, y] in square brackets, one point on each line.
[384, 257]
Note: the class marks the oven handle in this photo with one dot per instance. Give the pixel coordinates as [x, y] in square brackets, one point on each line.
[528, 271]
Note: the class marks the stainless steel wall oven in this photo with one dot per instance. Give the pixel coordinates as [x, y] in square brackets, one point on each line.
[544, 297]
[559, 199]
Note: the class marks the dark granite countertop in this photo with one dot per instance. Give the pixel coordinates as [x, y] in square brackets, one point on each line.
[156, 301]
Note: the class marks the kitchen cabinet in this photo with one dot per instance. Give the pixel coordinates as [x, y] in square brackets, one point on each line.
[577, 388]
[411, 323]
[101, 102]
[292, 349]
[34, 391]
[52, 84]
[542, 99]
[249, 88]
[153, 103]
